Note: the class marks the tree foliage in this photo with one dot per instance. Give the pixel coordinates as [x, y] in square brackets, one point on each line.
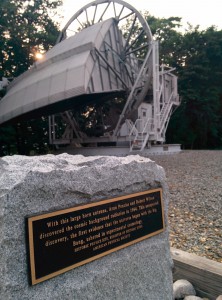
[197, 122]
[26, 27]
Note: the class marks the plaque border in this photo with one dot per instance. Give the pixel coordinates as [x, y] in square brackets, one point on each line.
[30, 220]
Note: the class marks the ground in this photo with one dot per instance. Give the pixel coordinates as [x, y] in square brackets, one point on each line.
[195, 192]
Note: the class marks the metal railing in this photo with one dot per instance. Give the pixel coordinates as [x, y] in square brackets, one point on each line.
[139, 134]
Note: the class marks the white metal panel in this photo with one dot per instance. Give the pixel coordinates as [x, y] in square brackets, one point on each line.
[6, 111]
[30, 93]
[89, 67]
[74, 78]
[87, 75]
[51, 70]
[124, 130]
[42, 92]
[60, 75]
[67, 71]
[86, 36]
[145, 111]
[96, 79]
[57, 87]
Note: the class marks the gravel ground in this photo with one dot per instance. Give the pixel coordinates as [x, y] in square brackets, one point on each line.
[195, 210]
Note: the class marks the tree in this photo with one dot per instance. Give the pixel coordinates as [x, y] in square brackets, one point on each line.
[200, 86]
[166, 32]
[26, 27]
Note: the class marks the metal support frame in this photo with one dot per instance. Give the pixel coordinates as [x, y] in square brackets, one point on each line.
[133, 100]
[119, 58]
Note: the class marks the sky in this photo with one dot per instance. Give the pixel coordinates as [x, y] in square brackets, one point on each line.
[196, 12]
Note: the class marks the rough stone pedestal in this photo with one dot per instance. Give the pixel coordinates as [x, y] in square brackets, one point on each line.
[33, 185]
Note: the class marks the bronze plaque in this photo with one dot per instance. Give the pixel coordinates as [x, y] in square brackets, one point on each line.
[62, 240]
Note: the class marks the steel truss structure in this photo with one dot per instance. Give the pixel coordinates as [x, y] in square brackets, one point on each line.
[151, 90]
